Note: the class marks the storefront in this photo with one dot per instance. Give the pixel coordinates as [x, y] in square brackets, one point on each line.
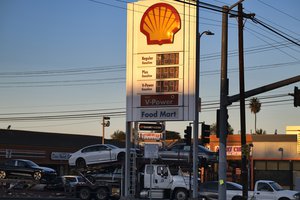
[276, 157]
[46, 149]
[272, 157]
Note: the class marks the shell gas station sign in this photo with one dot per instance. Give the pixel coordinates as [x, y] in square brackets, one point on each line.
[161, 51]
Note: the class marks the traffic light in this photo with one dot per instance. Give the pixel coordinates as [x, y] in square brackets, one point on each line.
[205, 133]
[218, 123]
[188, 135]
[296, 97]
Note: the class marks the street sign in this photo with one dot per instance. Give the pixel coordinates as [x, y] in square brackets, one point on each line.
[151, 127]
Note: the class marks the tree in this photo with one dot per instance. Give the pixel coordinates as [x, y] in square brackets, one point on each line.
[213, 129]
[260, 132]
[255, 108]
[118, 135]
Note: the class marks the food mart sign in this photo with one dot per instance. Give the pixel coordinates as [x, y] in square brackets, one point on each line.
[160, 75]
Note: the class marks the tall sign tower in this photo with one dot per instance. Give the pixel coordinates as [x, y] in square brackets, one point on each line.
[161, 53]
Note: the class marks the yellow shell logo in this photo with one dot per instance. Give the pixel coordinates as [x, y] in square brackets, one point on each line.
[159, 23]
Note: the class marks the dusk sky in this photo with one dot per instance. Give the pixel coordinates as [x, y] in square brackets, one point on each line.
[63, 65]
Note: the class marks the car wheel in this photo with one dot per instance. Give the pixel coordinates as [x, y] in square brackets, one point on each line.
[181, 194]
[84, 194]
[121, 157]
[37, 176]
[101, 194]
[2, 174]
[80, 163]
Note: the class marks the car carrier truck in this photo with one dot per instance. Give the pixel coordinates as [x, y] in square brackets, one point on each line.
[154, 181]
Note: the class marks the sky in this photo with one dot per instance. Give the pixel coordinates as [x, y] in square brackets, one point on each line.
[63, 65]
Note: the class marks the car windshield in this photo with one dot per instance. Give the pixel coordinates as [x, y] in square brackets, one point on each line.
[80, 179]
[111, 146]
[203, 149]
[31, 164]
[276, 186]
[234, 186]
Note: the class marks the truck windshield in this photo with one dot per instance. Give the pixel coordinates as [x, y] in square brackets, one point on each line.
[276, 186]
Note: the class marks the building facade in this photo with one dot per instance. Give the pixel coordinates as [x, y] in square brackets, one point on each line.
[272, 157]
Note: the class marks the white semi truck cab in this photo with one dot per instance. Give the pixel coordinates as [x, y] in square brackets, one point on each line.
[161, 182]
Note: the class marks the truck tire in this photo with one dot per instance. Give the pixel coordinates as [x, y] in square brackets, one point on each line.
[180, 194]
[101, 194]
[84, 194]
[2, 174]
[37, 176]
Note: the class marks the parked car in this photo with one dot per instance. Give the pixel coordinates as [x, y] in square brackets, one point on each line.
[65, 183]
[21, 168]
[96, 154]
[181, 152]
[209, 190]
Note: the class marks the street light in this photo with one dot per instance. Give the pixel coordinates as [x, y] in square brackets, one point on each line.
[105, 123]
[281, 150]
[208, 32]
[196, 121]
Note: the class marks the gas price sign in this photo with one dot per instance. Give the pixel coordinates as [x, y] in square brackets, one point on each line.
[160, 62]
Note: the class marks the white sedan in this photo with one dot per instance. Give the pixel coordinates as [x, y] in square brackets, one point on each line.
[96, 154]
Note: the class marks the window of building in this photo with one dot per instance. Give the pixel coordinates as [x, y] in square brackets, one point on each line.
[283, 165]
[260, 165]
[296, 166]
[272, 165]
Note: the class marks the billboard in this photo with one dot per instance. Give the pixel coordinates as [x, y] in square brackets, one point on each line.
[160, 65]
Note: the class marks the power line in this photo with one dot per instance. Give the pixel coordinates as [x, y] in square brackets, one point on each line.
[113, 112]
[279, 10]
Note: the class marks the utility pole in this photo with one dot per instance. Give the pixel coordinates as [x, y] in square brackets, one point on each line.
[242, 102]
[223, 106]
[196, 120]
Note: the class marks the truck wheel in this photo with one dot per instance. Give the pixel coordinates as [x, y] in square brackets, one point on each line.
[181, 194]
[37, 176]
[84, 194]
[101, 194]
[2, 174]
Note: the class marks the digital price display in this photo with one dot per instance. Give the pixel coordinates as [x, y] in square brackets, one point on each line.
[167, 59]
[167, 86]
[167, 72]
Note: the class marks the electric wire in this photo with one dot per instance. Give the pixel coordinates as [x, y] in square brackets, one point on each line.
[115, 112]
[292, 17]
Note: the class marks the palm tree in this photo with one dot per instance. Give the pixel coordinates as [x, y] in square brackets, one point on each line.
[255, 108]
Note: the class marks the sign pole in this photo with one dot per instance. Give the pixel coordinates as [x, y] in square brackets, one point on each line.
[196, 120]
